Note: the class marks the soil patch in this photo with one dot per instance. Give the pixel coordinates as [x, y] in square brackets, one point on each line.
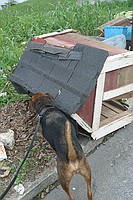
[22, 121]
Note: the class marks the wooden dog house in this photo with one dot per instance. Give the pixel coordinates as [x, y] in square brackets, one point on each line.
[99, 109]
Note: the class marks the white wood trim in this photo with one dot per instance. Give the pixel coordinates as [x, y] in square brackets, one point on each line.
[113, 126]
[117, 92]
[98, 102]
[82, 123]
[55, 33]
[118, 61]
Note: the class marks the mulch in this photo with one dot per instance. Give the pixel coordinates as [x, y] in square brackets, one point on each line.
[19, 118]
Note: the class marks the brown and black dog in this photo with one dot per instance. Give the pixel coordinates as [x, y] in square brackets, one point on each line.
[61, 134]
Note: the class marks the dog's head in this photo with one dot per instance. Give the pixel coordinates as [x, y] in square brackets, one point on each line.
[40, 100]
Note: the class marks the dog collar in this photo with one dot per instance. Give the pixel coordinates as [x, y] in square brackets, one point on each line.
[44, 110]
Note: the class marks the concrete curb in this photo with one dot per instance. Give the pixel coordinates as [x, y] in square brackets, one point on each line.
[33, 188]
[49, 176]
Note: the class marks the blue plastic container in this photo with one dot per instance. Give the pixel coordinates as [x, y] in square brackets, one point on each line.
[110, 31]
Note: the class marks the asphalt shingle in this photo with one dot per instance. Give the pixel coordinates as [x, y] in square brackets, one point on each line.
[68, 75]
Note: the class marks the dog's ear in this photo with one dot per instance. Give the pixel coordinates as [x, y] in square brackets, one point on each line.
[33, 100]
[50, 96]
[36, 96]
[40, 95]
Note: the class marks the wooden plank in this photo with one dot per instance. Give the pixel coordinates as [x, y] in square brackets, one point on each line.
[114, 118]
[107, 112]
[102, 118]
[86, 112]
[118, 105]
[58, 39]
[111, 80]
[106, 127]
[73, 38]
[122, 120]
[40, 40]
[98, 101]
[117, 92]
[113, 107]
[118, 78]
[123, 96]
[55, 33]
[82, 123]
[125, 76]
[118, 61]
[120, 21]
[82, 39]
[59, 43]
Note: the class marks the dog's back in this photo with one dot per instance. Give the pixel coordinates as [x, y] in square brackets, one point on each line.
[61, 134]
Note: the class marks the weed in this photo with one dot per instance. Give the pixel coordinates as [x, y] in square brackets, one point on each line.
[20, 22]
[12, 95]
[27, 167]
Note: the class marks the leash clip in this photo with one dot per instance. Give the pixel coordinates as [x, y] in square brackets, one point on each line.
[39, 117]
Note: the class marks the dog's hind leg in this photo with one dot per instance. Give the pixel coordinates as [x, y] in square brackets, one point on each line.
[65, 185]
[65, 178]
[86, 173]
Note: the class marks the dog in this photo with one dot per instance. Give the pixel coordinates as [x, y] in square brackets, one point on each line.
[61, 133]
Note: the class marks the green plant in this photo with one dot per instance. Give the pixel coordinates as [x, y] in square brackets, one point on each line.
[130, 3]
[11, 94]
[20, 22]
[28, 165]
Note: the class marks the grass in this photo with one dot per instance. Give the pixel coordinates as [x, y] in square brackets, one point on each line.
[27, 168]
[20, 22]
[28, 165]
[30, 162]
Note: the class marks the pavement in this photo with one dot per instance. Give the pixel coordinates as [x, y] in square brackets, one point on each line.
[112, 171]
[111, 162]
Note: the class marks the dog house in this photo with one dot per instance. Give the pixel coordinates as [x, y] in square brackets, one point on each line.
[88, 78]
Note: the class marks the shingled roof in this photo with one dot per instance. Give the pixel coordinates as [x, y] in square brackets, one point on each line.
[67, 74]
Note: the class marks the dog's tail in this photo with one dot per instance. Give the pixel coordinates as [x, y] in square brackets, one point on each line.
[72, 156]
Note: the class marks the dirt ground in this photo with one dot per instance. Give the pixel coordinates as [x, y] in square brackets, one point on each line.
[22, 121]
